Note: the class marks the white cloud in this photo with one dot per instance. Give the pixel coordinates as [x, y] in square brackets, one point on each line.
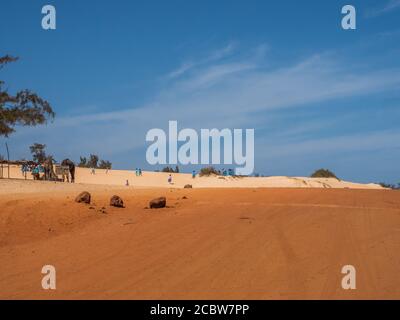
[212, 57]
[388, 7]
[181, 70]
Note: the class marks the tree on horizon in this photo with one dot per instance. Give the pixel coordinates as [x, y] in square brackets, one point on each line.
[94, 162]
[38, 152]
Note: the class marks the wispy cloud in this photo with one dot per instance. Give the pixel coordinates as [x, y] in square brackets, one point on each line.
[181, 70]
[220, 94]
[212, 57]
[386, 8]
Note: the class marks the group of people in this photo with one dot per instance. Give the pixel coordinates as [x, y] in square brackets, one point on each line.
[45, 170]
[170, 177]
[33, 168]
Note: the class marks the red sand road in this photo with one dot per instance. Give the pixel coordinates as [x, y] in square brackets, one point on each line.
[217, 244]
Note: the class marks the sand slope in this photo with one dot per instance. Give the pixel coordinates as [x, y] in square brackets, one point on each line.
[160, 179]
[218, 243]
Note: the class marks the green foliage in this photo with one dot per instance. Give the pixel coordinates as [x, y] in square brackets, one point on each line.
[323, 173]
[24, 108]
[104, 164]
[38, 152]
[207, 171]
[94, 162]
[170, 169]
[82, 162]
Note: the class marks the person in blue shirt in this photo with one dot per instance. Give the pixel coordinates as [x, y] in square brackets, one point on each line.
[35, 172]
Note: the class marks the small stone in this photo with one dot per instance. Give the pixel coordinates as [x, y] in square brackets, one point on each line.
[116, 201]
[157, 203]
[83, 197]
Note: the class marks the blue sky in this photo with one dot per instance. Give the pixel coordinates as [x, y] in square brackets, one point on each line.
[316, 95]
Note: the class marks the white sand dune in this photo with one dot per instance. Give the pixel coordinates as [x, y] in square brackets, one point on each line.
[179, 180]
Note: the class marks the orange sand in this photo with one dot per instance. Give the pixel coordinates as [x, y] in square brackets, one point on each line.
[217, 244]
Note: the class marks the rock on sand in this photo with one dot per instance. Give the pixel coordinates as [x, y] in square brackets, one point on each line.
[83, 197]
[116, 201]
[158, 203]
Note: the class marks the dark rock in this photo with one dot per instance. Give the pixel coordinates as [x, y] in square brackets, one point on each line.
[184, 197]
[116, 201]
[83, 197]
[188, 186]
[158, 203]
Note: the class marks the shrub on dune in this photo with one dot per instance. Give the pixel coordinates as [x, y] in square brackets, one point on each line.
[323, 173]
[208, 171]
